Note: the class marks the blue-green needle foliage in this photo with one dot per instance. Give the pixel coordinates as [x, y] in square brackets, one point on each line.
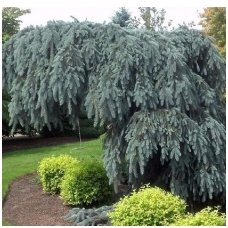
[160, 94]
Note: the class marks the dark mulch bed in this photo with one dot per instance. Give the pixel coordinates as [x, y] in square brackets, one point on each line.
[25, 142]
[27, 205]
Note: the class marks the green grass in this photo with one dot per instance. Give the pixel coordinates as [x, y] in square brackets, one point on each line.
[6, 223]
[19, 163]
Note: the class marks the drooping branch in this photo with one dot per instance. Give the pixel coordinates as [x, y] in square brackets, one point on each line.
[161, 95]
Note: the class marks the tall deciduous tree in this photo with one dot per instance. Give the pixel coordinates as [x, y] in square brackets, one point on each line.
[159, 94]
[153, 19]
[214, 24]
[11, 21]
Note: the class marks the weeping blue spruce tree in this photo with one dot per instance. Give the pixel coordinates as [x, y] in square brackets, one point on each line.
[161, 96]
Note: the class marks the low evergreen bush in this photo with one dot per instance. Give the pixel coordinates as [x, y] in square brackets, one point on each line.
[89, 217]
[206, 217]
[52, 169]
[147, 207]
[85, 184]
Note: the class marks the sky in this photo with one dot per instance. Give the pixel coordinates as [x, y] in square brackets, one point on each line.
[102, 10]
[40, 15]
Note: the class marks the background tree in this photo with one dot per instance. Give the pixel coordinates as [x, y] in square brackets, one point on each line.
[213, 20]
[122, 17]
[159, 94]
[11, 21]
[150, 18]
[10, 26]
[153, 19]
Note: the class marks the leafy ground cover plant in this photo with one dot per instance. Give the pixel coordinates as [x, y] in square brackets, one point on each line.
[52, 169]
[85, 184]
[206, 217]
[147, 207]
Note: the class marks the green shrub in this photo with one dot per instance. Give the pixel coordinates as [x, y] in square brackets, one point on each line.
[147, 207]
[206, 217]
[52, 169]
[85, 184]
[89, 132]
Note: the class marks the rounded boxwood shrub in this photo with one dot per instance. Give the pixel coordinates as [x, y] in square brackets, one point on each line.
[52, 169]
[147, 207]
[85, 184]
[206, 217]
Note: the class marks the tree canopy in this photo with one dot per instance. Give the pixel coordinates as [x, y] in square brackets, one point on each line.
[122, 17]
[159, 94]
[10, 21]
[153, 19]
[214, 24]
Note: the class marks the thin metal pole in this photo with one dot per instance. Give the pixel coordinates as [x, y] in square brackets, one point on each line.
[79, 133]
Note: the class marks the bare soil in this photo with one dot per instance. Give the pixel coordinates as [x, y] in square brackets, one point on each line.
[27, 205]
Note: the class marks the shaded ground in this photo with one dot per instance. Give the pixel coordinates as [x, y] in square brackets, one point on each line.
[24, 142]
[27, 205]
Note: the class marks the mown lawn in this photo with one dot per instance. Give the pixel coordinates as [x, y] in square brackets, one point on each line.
[19, 163]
